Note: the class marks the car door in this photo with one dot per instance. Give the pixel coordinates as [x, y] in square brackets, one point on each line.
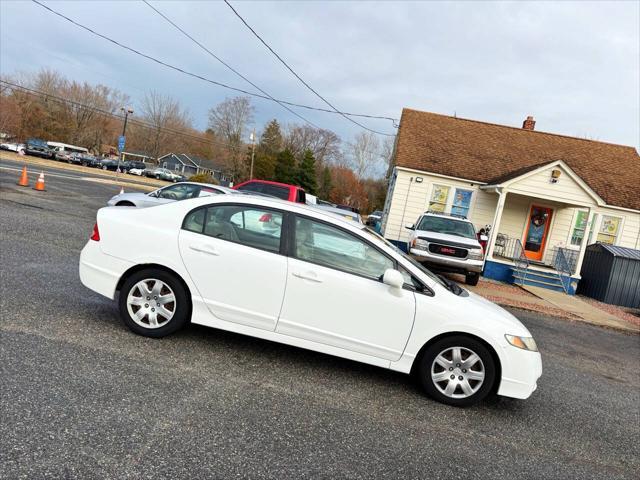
[335, 295]
[235, 261]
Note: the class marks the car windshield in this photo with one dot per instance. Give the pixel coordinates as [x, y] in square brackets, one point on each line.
[413, 262]
[446, 225]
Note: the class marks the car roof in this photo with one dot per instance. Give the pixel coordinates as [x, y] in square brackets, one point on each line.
[338, 211]
[446, 215]
[269, 182]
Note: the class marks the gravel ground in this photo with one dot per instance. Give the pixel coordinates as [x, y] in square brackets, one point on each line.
[82, 397]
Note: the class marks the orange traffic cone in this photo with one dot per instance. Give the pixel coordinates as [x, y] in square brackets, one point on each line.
[24, 179]
[40, 183]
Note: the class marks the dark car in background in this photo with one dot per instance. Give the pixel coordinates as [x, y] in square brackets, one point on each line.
[108, 164]
[38, 148]
[132, 164]
[85, 159]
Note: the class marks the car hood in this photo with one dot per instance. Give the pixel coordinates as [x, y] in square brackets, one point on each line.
[448, 238]
[126, 196]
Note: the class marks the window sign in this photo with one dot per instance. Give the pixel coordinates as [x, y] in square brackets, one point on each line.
[608, 231]
[439, 196]
[579, 227]
[461, 202]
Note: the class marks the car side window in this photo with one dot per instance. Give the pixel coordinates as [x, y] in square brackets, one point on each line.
[329, 246]
[179, 192]
[252, 226]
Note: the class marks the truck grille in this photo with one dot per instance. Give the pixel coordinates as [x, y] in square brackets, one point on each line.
[447, 250]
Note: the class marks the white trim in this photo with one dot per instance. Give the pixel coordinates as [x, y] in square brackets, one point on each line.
[596, 230]
[424, 172]
[576, 211]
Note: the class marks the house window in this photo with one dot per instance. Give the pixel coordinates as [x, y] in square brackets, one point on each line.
[461, 202]
[579, 227]
[609, 228]
[439, 196]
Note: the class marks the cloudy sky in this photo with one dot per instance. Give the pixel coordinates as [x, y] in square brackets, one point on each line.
[574, 66]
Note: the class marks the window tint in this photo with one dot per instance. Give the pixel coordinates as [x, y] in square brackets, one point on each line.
[194, 221]
[251, 187]
[301, 197]
[276, 191]
[207, 192]
[251, 226]
[331, 247]
[180, 192]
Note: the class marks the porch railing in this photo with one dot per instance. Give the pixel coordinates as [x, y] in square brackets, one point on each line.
[521, 261]
[562, 266]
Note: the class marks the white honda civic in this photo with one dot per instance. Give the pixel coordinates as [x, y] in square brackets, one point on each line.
[296, 275]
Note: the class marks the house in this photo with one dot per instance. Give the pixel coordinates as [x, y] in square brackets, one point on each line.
[543, 197]
[138, 156]
[188, 165]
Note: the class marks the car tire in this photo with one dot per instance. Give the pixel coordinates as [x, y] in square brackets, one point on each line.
[104, 167]
[125, 204]
[141, 290]
[471, 382]
[471, 278]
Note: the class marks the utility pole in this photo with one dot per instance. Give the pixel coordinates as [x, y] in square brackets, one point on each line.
[253, 151]
[127, 111]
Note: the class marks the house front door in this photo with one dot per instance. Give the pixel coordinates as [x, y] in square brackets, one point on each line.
[537, 231]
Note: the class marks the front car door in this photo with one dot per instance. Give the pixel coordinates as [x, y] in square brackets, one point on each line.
[233, 255]
[335, 296]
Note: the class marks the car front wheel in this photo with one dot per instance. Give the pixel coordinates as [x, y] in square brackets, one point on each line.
[153, 303]
[472, 278]
[457, 370]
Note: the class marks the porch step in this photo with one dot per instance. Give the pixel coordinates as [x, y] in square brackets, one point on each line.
[534, 282]
[542, 274]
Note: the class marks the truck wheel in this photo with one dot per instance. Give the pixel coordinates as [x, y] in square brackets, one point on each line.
[471, 278]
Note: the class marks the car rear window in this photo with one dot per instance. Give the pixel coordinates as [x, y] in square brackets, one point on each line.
[267, 189]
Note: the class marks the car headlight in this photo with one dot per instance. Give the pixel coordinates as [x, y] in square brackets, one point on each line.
[475, 254]
[525, 343]
[421, 243]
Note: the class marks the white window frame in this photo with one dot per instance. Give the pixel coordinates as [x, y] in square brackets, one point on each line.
[450, 197]
[596, 229]
[573, 226]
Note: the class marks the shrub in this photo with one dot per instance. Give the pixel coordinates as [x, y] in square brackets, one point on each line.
[203, 178]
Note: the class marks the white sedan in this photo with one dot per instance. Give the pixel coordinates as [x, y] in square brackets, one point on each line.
[179, 191]
[311, 280]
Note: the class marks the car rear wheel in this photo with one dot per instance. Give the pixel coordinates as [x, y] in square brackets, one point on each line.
[125, 204]
[472, 278]
[153, 303]
[457, 370]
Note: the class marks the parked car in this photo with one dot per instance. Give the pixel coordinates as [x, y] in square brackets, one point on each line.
[374, 217]
[133, 165]
[85, 159]
[341, 213]
[181, 191]
[38, 148]
[166, 174]
[448, 243]
[292, 193]
[203, 264]
[63, 156]
[136, 171]
[13, 147]
[110, 164]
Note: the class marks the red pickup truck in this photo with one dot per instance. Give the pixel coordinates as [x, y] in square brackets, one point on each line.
[284, 191]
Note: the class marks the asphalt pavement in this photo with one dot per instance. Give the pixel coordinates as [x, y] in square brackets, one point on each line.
[82, 397]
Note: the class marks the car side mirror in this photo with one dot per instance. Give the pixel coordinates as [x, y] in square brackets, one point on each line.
[409, 226]
[393, 278]
[484, 238]
[153, 194]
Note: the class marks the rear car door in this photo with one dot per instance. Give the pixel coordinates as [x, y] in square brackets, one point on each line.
[335, 295]
[233, 255]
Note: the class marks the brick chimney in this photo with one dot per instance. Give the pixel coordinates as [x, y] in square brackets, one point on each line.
[529, 123]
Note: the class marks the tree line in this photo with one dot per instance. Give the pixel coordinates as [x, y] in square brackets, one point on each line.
[59, 109]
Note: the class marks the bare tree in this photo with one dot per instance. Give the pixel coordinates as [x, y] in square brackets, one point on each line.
[228, 121]
[364, 154]
[163, 112]
[324, 144]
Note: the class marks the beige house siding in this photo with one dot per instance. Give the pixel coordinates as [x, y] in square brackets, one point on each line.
[566, 189]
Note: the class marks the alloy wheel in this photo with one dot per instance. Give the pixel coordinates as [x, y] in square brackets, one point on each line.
[151, 303]
[458, 372]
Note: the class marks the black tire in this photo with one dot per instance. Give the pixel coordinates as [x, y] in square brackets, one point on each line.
[472, 278]
[104, 167]
[427, 361]
[125, 204]
[182, 311]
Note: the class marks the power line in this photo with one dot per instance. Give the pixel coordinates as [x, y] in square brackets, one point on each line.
[139, 123]
[298, 76]
[226, 64]
[200, 77]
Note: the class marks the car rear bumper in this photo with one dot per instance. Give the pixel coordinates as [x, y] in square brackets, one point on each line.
[451, 263]
[100, 272]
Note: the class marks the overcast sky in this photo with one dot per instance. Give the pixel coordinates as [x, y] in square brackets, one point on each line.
[574, 66]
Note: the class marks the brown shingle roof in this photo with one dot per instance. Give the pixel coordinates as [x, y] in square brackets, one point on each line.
[486, 152]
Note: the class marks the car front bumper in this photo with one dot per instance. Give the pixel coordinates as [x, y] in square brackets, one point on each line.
[521, 370]
[451, 263]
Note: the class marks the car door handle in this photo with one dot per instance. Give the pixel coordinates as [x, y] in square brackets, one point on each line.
[307, 276]
[204, 249]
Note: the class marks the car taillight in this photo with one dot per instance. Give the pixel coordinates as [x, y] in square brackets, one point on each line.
[96, 234]
[266, 217]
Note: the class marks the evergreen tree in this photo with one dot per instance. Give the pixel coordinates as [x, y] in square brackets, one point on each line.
[325, 184]
[306, 174]
[271, 139]
[285, 170]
